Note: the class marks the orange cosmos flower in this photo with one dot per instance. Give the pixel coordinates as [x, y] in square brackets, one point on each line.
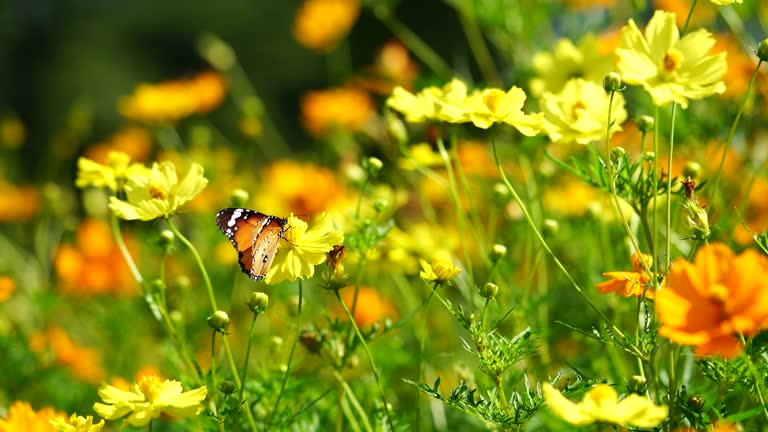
[708, 302]
[134, 141]
[320, 24]
[632, 283]
[22, 418]
[345, 108]
[18, 203]
[7, 287]
[371, 306]
[170, 101]
[84, 363]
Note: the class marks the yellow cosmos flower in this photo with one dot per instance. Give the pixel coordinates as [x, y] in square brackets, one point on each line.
[301, 249]
[158, 193]
[568, 60]
[670, 68]
[601, 404]
[148, 399]
[439, 271]
[495, 106]
[76, 423]
[424, 105]
[113, 175]
[580, 111]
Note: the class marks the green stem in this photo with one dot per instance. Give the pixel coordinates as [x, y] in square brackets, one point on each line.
[199, 261]
[247, 356]
[502, 396]
[353, 400]
[477, 44]
[213, 368]
[414, 43]
[370, 358]
[655, 250]
[668, 229]
[236, 377]
[688, 18]
[755, 375]
[422, 343]
[290, 357]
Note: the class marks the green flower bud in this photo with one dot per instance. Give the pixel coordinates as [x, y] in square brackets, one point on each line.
[219, 321]
[373, 166]
[649, 156]
[618, 152]
[501, 193]
[695, 403]
[637, 384]
[157, 286]
[692, 169]
[167, 237]
[612, 82]
[489, 290]
[498, 251]
[239, 198]
[549, 227]
[227, 387]
[695, 219]
[216, 51]
[380, 205]
[762, 50]
[257, 302]
[646, 123]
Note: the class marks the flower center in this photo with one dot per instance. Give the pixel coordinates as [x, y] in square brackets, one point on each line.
[718, 292]
[492, 99]
[578, 109]
[672, 60]
[150, 387]
[157, 191]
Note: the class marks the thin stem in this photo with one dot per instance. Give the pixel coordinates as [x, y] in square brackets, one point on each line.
[755, 375]
[655, 196]
[247, 356]
[290, 357]
[477, 44]
[688, 18]
[422, 343]
[199, 261]
[370, 358]
[213, 367]
[127, 255]
[502, 396]
[353, 399]
[236, 377]
[668, 258]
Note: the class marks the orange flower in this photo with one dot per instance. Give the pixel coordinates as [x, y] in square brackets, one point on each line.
[94, 265]
[84, 363]
[345, 108]
[393, 66]
[7, 287]
[741, 65]
[22, 418]
[708, 302]
[169, 101]
[370, 307]
[133, 140]
[589, 4]
[320, 24]
[18, 203]
[634, 283]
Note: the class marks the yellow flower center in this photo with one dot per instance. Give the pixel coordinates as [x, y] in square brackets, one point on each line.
[578, 109]
[157, 191]
[672, 60]
[150, 387]
[492, 99]
[294, 230]
[718, 292]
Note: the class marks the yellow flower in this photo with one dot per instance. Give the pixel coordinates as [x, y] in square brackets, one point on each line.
[22, 418]
[569, 61]
[158, 193]
[148, 399]
[76, 424]
[417, 108]
[495, 106]
[580, 111]
[301, 249]
[670, 68]
[113, 175]
[440, 271]
[726, 2]
[320, 24]
[601, 403]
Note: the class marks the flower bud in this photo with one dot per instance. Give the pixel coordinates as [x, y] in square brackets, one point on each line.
[501, 193]
[239, 198]
[646, 123]
[649, 156]
[219, 321]
[637, 384]
[311, 341]
[762, 50]
[227, 387]
[695, 403]
[257, 302]
[167, 237]
[156, 287]
[612, 82]
[489, 290]
[380, 205]
[498, 251]
[696, 219]
[182, 282]
[549, 227]
[216, 51]
[618, 152]
[373, 166]
[692, 169]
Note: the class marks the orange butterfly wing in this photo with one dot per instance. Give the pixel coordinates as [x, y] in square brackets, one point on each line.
[254, 235]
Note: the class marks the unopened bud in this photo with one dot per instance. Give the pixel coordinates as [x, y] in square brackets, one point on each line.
[696, 219]
[646, 123]
[489, 290]
[637, 384]
[695, 403]
[373, 166]
[227, 387]
[618, 152]
[612, 82]
[692, 169]
[166, 239]
[762, 50]
[219, 321]
[257, 302]
[649, 156]
[498, 251]
[549, 227]
[239, 198]
[501, 193]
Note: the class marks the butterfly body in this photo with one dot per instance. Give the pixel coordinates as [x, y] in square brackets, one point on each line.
[254, 235]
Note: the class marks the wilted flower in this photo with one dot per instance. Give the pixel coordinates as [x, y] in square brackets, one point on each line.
[158, 193]
[77, 423]
[148, 399]
[670, 68]
[601, 404]
[708, 302]
[301, 249]
[580, 111]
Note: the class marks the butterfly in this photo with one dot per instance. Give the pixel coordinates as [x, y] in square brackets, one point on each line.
[254, 235]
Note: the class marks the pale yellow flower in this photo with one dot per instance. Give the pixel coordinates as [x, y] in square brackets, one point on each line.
[585, 60]
[496, 106]
[148, 399]
[158, 193]
[424, 105]
[726, 2]
[670, 68]
[302, 248]
[579, 113]
[601, 404]
[440, 270]
[76, 423]
[113, 175]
